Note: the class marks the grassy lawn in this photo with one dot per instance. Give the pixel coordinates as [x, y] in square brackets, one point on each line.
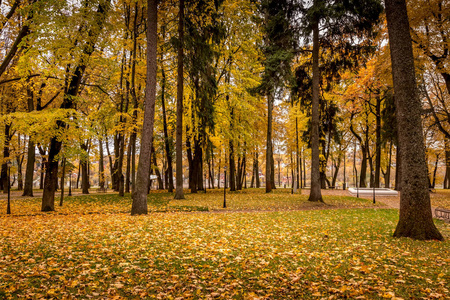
[287, 254]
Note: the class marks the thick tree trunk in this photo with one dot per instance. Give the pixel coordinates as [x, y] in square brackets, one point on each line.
[315, 194]
[179, 193]
[416, 220]
[51, 174]
[139, 205]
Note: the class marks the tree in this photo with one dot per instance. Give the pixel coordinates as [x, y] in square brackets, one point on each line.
[179, 194]
[341, 23]
[278, 50]
[139, 205]
[73, 82]
[416, 220]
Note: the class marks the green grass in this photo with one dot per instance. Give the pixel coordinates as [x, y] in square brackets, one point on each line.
[286, 254]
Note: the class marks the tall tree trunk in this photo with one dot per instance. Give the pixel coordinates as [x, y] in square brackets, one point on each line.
[269, 154]
[398, 170]
[416, 219]
[218, 173]
[128, 169]
[101, 167]
[31, 158]
[447, 163]
[257, 181]
[272, 171]
[111, 166]
[19, 160]
[63, 174]
[157, 172]
[133, 163]
[387, 178]
[298, 159]
[433, 183]
[84, 161]
[179, 193]
[315, 194]
[4, 170]
[139, 205]
[166, 135]
[378, 142]
[232, 168]
[31, 153]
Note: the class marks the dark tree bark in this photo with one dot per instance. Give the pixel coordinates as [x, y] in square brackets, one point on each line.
[84, 169]
[315, 194]
[139, 205]
[232, 168]
[31, 158]
[447, 164]
[31, 153]
[4, 170]
[362, 177]
[78, 175]
[19, 161]
[298, 159]
[63, 174]
[128, 169]
[157, 172]
[378, 142]
[190, 165]
[257, 181]
[179, 193]
[170, 186]
[416, 220]
[101, 167]
[387, 174]
[269, 154]
[398, 170]
[433, 182]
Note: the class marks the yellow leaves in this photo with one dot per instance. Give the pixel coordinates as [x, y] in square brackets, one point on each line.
[265, 255]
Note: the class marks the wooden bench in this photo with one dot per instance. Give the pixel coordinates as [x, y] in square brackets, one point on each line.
[442, 213]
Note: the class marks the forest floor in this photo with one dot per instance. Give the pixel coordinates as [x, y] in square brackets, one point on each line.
[272, 246]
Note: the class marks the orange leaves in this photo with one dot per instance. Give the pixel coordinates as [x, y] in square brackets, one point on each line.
[316, 254]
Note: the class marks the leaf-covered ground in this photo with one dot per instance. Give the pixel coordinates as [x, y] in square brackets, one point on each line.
[309, 254]
[212, 200]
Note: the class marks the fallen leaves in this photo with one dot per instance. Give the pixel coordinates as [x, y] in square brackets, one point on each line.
[316, 254]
